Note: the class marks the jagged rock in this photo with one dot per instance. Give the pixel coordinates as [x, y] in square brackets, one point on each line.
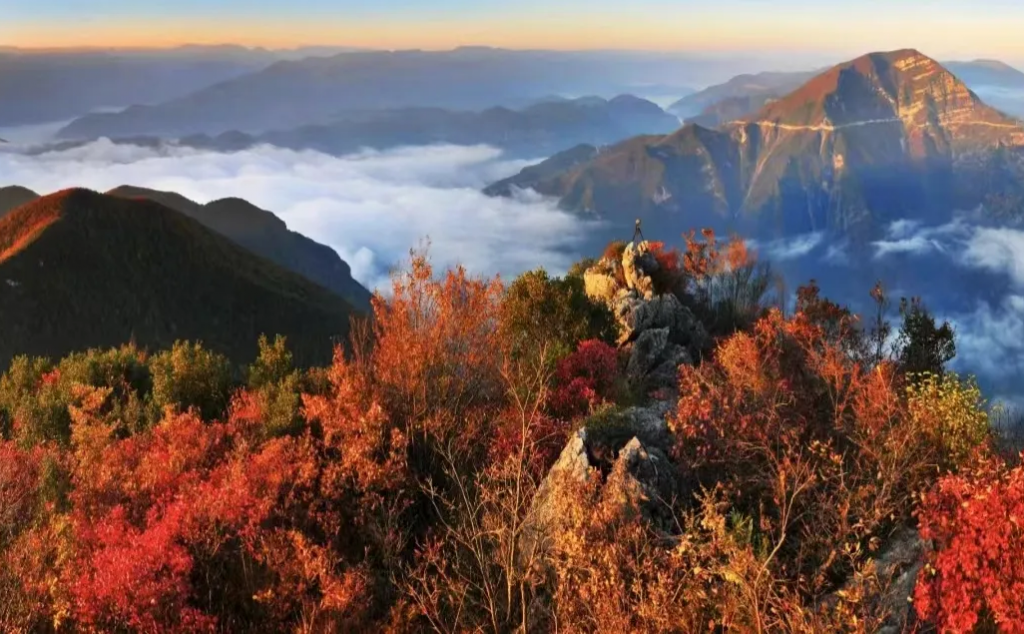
[901, 561]
[647, 353]
[666, 375]
[573, 465]
[607, 433]
[623, 303]
[573, 460]
[650, 423]
[654, 360]
[645, 440]
[638, 263]
[898, 565]
[642, 478]
[663, 311]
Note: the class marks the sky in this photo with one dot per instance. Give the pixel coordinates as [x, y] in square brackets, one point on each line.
[944, 28]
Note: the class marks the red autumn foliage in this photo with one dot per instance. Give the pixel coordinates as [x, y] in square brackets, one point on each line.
[974, 577]
[396, 489]
[435, 360]
[584, 380]
[149, 509]
[19, 481]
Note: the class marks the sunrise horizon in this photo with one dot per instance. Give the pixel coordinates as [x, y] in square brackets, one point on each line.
[985, 31]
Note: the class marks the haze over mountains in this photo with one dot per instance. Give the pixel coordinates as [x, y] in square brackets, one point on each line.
[44, 86]
[540, 129]
[315, 90]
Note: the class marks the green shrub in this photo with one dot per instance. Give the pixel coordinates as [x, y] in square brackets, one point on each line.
[539, 311]
[34, 403]
[190, 376]
[278, 386]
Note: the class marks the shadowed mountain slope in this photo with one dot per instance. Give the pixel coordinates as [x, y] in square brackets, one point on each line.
[14, 196]
[80, 269]
[266, 235]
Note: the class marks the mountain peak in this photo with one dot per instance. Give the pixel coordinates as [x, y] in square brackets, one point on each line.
[904, 88]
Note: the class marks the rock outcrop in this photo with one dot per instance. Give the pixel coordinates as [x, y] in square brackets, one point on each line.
[659, 330]
[895, 569]
[899, 563]
[629, 446]
[600, 282]
[642, 478]
[638, 264]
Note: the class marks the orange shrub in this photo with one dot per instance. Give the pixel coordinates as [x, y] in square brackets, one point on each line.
[818, 451]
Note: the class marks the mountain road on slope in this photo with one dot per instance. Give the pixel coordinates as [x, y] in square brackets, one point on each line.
[827, 127]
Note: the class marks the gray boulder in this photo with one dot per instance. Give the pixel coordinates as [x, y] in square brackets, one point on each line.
[573, 465]
[896, 567]
[654, 360]
[643, 479]
[663, 311]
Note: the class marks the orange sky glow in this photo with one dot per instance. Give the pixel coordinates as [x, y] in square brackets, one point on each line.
[708, 31]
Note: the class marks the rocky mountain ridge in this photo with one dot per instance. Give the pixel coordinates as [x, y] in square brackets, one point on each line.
[878, 138]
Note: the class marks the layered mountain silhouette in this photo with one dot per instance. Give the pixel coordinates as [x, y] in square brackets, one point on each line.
[266, 235]
[886, 136]
[44, 86]
[540, 129]
[987, 72]
[291, 94]
[80, 269]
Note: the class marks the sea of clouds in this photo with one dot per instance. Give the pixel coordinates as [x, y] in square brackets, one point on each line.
[371, 207]
[968, 271]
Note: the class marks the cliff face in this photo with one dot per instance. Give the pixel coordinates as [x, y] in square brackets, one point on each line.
[879, 137]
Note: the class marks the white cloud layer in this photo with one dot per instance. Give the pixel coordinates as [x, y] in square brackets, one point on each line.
[794, 247]
[371, 207]
[998, 250]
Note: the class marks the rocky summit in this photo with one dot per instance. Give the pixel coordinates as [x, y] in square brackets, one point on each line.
[882, 137]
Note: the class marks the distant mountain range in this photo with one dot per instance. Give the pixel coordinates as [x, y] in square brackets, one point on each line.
[883, 137]
[80, 269]
[290, 94]
[538, 130]
[259, 231]
[46, 86]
